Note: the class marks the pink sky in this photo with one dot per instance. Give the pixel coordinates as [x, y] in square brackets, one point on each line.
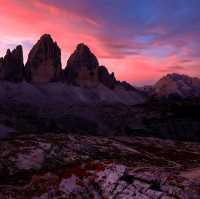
[23, 22]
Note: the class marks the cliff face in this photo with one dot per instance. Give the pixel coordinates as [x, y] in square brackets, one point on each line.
[105, 78]
[44, 61]
[12, 66]
[82, 67]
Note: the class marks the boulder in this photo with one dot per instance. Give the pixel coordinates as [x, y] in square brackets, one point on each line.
[44, 61]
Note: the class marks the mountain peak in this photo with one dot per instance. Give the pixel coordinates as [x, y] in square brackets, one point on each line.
[12, 66]
[46, 37]
[8, 52]
[177, 85]
[82, 57]
[82, 47]
[82, 66]
[176, 76]
[44, 61]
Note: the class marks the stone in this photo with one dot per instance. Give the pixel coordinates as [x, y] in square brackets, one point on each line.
[44, 61]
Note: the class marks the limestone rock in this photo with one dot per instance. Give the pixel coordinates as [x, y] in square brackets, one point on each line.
[44, 61]
[82, 67]
[106, 78]
[12, 66]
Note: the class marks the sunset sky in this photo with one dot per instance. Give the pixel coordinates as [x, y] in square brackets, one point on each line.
[139, 40]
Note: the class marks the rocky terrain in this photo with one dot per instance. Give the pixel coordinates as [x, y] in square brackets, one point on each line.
[72, 166]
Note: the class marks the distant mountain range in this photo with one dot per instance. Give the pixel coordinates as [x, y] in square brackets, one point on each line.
[177, 85]
[83, 70]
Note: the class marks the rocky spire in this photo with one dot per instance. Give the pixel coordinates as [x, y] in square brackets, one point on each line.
[44, 61]
[12, 66]
[82, 66]
[106, 78]
[82, 57]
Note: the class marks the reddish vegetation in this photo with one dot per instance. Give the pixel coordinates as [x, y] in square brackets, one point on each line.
[97, 166]
[77, 170]
[84, 170]
[133, 161]
[41, 184]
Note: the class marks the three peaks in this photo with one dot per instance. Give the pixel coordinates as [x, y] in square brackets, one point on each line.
[44, 65]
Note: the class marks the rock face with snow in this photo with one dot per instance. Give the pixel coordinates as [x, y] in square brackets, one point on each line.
[44, 61]
[12, 66]
[82, 67]
[176, 85]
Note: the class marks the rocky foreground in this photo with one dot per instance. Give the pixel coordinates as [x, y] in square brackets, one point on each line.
[72, 166]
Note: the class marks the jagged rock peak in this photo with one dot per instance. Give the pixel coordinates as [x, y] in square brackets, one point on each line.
[44, 61]
[46, 37]
[105, 78]
[82, 57]
[82, 67]
[8, 52]
[82, 48]
[12, 66]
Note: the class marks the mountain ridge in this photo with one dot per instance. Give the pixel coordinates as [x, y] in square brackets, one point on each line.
[83, 69]
[177, 85]
[44, 65]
